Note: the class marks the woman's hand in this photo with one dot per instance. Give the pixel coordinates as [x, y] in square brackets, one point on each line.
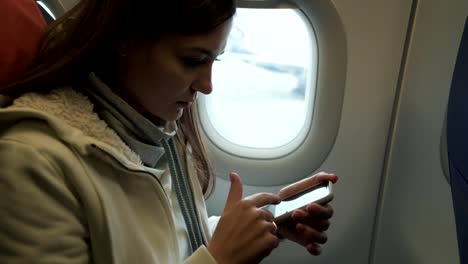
[307, 227]
[245, 233]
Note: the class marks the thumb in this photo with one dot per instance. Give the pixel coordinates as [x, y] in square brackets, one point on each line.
[235, 192]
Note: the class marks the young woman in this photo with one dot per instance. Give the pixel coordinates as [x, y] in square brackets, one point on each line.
[100, 156]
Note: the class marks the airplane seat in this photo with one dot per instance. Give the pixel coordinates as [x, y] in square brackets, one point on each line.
[22, 28]
[457, 144]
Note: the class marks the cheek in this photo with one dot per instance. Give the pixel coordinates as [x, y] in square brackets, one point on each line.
[162, 80]
[170, 86]
[161, 89]
[174, 82]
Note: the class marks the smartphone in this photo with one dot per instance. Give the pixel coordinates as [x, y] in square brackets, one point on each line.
[320, 194]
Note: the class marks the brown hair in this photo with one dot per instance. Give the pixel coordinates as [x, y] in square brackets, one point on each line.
[85, 38]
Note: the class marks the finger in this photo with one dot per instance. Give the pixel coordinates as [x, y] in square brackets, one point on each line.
[270, 242]
[235, 192]
[306, 183]
[323, 176]
[320, 225]
[320, 177]
[271, 227]
[313, 213]
[267, 215]
[262, 199]
[320, 211]
[309, 235]
[314, 249]
[305, 218]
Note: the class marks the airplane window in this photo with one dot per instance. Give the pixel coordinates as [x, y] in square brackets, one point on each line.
[46, 9]
[264, 81]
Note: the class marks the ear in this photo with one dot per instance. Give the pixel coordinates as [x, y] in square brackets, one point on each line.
[123, 49]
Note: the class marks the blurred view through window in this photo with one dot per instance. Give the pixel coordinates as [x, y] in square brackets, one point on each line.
[263, 80]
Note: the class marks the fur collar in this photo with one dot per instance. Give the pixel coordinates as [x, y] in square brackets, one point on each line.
[76, 111]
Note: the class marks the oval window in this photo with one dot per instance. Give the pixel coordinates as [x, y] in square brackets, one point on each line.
[264, 83]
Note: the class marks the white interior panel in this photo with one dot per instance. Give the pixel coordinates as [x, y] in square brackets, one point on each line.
[375, 33]
[416, 224]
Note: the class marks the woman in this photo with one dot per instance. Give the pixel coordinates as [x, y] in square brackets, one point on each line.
[100, 153]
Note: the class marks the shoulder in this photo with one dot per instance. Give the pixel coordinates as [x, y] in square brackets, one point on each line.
[32, 162]
[35, 133]
[63, 118]
[38, 197]
[31, 148]
[31, 126]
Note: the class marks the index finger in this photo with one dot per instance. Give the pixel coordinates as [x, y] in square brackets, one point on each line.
[262, 199]
[323, 176]
[306, 183]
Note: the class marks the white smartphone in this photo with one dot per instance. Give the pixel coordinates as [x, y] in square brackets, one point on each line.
[320, 194]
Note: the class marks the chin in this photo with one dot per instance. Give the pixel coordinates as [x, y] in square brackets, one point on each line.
[174, 116]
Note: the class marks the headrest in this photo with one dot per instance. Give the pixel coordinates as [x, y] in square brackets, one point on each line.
[22, 27]
[457, 114]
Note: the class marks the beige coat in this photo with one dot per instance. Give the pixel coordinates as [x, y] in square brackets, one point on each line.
[73, 192]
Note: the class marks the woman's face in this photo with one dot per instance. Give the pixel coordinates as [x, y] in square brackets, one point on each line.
[164, 78]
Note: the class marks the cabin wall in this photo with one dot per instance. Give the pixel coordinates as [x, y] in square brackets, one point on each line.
[416, 221]
[376, 33]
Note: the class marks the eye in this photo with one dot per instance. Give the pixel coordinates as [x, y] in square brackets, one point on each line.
[190, 62]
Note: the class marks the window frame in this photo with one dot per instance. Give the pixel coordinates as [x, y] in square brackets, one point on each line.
[301, 157]
[274, 152]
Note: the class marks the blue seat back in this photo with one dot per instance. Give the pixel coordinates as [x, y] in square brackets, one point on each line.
[457, 144]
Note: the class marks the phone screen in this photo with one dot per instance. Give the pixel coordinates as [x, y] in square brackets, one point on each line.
[287, 206]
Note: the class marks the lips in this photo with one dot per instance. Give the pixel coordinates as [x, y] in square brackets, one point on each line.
[183, 104]
[188, 101]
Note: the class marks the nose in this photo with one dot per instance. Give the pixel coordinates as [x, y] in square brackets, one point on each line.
[203, 83]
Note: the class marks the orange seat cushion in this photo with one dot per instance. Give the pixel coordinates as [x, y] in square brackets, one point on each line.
[21, 30]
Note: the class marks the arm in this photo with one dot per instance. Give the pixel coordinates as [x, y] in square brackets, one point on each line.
[40, 219]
